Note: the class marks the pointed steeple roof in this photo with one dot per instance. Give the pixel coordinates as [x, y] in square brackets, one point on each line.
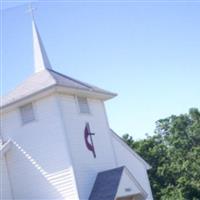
[45, 78]
[48, 79]
[41, 60]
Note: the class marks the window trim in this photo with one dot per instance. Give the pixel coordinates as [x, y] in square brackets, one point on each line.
[33, 111]
[78, 105]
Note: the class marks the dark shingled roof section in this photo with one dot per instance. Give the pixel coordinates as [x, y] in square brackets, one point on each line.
[106, 184]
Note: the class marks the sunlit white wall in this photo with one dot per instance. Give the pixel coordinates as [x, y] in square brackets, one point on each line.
[38, 163]
[5, 191]
[85, 165]
[126, 158]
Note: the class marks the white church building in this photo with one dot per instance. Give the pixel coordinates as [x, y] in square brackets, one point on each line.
[56, 143]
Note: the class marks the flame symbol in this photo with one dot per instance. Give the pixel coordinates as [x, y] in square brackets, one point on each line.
[88, 136]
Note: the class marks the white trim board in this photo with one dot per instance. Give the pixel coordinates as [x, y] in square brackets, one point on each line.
[147, 166]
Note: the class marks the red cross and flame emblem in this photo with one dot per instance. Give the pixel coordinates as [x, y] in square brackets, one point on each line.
[88, 139]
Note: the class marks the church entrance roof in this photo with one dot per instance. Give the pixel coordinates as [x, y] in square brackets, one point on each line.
[117, 184]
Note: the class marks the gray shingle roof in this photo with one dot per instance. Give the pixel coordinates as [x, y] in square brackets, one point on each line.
[106, 184]
[46, 79]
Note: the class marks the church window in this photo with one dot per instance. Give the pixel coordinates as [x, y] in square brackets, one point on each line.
[27, 113]
[83, 105]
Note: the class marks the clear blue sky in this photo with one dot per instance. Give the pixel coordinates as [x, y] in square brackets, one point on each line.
[148, 53]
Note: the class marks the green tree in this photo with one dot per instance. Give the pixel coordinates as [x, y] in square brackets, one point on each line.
[174, 154]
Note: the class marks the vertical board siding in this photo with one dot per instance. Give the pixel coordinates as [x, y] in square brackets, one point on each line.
[85, 165]
[135, 166]
[38, 162]
[5, 190]
[49, 156]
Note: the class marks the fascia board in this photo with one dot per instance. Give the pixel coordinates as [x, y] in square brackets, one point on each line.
[58, 89]
[147, 166]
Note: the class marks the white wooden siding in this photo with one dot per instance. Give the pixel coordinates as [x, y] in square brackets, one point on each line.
[49, 156]
[135, 166]
[5, 190]
[85, 165]
[39, 157]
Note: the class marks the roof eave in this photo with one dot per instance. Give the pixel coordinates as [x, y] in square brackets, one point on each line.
[25, 99]
[60, 89]
[88, 93]
[147, 166]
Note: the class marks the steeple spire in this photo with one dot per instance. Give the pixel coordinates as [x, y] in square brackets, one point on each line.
[41, 60]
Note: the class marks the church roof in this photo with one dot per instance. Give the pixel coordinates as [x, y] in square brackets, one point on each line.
[106, 184]
[41, 60]
[123, 143]
[46, 79]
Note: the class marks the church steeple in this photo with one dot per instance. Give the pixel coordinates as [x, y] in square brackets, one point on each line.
[41, 60]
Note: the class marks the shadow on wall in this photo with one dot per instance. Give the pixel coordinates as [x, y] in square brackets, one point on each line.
[35, 181]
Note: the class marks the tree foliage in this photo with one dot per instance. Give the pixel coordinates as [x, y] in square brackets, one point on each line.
[174, 154]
